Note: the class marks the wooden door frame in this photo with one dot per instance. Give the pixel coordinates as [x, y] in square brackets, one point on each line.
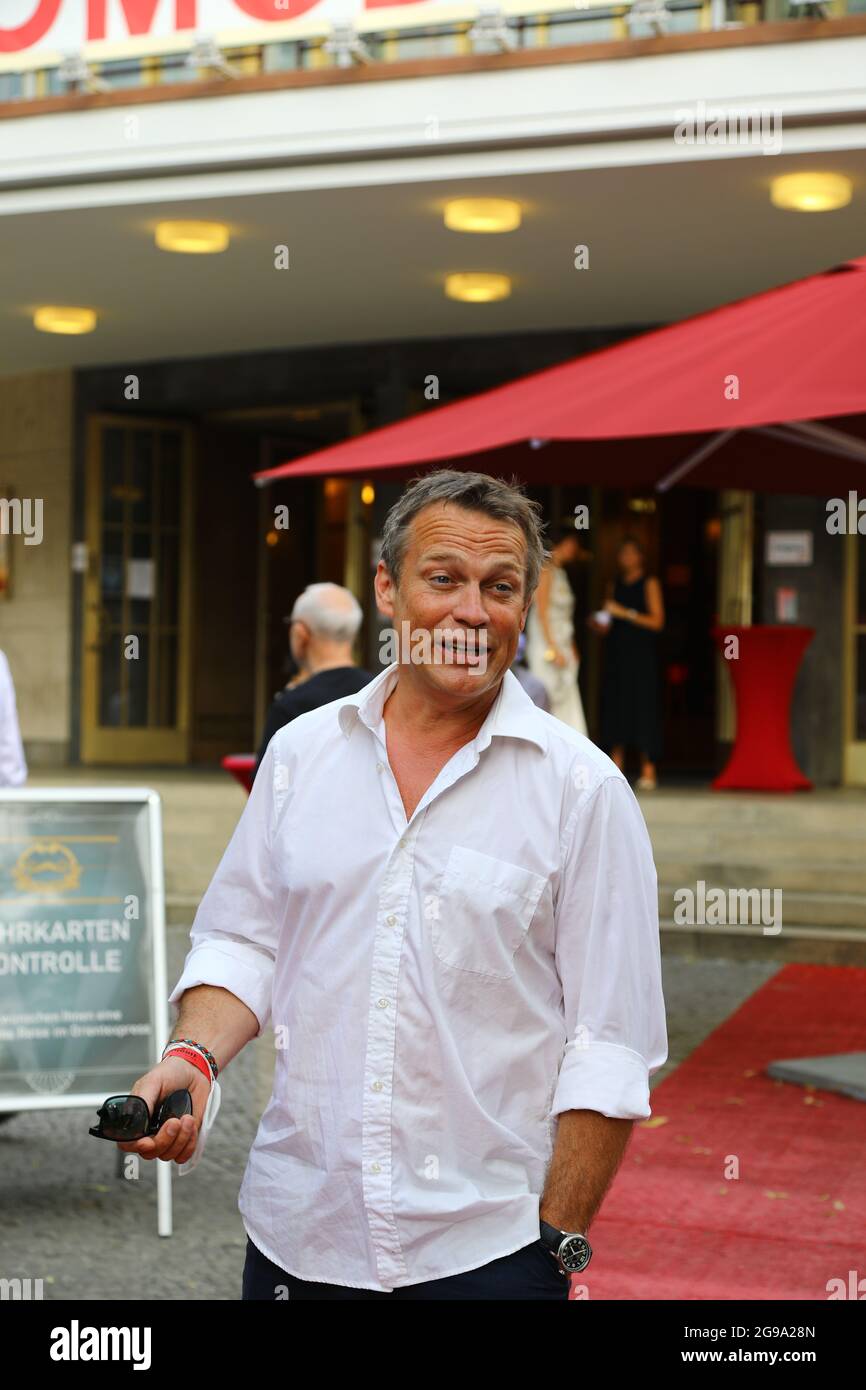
[735, 591]
[853, 749]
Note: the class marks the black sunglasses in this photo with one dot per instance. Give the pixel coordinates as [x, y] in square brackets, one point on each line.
[123, 1119]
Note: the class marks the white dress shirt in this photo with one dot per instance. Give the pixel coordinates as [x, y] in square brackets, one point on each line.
[13, 766]
[440, 989]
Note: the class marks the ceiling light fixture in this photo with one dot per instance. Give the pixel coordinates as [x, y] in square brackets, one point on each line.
[811, 192]
[482, 215]
[477, 287]
[55, 318]
[192, 238]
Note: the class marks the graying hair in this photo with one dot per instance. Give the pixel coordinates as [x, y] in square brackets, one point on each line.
[329, 611]
[477, 492]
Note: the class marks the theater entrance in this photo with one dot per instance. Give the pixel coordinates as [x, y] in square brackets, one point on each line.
[680, 533]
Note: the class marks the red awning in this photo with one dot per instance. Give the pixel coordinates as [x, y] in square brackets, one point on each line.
[715, 399]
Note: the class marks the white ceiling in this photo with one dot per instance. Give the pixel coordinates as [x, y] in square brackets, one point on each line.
[367, 263]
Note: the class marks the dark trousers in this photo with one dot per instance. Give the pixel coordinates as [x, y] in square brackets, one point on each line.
[530, 1273]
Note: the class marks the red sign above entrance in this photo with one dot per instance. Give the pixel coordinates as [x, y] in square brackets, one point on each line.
[29, 25]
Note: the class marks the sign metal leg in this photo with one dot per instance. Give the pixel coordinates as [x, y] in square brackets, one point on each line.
[163, 1198]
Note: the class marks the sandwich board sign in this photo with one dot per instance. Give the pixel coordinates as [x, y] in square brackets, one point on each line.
[83, 996]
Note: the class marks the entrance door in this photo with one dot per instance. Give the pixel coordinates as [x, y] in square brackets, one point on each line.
[135, 667]
[855, 663]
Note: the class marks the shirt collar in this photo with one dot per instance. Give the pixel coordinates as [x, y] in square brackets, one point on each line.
[512, 715]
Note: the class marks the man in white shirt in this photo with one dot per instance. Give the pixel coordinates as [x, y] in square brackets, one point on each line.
[443, 900]
[13, 765]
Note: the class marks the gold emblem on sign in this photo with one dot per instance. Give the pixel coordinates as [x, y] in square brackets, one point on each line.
[47, 866]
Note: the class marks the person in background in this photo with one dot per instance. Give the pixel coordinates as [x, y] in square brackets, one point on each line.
[551, 651]
[631, 713]
[13, 765]
[531, 684]
[322, 627]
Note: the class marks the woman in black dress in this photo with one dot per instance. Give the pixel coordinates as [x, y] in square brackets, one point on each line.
[631, 712]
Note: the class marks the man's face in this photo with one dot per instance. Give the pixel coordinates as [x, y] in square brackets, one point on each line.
[465, 572]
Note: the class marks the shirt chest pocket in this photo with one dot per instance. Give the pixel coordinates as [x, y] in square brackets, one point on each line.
[482, 912]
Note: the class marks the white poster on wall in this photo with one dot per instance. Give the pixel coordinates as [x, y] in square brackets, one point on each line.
[140, 578]
[788, 548]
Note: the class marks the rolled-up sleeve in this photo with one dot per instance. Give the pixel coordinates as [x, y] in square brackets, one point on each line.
[235, 930]
[609, 959]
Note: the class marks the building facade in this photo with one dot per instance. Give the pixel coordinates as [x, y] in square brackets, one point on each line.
[326, 149]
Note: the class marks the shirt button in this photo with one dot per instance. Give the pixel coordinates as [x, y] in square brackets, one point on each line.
[377, 1086]
[380, 767]
[382, 1003]
[391, 919]
[375, 1168]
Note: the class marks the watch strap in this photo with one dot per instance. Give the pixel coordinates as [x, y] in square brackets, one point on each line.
[552, 1236]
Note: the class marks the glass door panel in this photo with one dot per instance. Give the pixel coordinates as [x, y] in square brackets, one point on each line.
[136, 656]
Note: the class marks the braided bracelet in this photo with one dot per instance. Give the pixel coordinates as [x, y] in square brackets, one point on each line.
[211, 1060]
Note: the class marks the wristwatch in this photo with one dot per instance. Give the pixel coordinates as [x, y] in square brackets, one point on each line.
[572, 1250]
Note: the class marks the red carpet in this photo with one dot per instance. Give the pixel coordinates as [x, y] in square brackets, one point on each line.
[673, 1227]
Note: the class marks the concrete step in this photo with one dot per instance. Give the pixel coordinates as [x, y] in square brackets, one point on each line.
[747, 842]
[824, 813]
[794, 875]
[804, 874]
[813, 944]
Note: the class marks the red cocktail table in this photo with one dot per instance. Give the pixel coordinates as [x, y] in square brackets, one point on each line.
[763, 675]
[241, 766]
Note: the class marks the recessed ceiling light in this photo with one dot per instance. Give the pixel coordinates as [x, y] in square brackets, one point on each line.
[482, 215]
[192, 238]
[55, 318]
[811, 192]
[477, 287]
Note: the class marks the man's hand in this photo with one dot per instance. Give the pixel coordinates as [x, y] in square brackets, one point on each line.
[225, 1024]
[176, 1140]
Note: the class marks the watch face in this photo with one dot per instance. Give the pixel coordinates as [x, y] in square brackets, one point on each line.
[575, 1254]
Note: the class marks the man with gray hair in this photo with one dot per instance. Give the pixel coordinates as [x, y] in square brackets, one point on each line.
[323, 625]
[443, 901]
